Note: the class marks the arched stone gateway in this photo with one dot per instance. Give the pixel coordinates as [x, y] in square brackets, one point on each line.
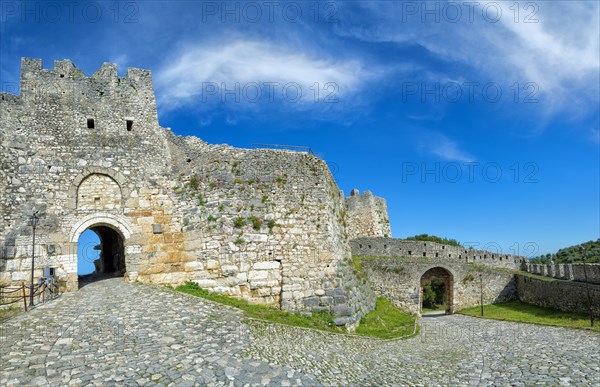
[113, 231]
[443, 280]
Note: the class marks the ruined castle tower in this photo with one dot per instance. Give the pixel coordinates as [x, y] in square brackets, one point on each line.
[367, 216]
[89, 153]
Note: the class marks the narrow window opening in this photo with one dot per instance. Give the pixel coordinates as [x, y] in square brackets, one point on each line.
[409, 252]
[385, 246]
[90, 123]
[369, 246]
[424, 254]
[436, 255]
[443, 247]
[360, 246]
[129, 125]
[62, 75]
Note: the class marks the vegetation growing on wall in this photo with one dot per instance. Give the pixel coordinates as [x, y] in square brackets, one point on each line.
[433, 238]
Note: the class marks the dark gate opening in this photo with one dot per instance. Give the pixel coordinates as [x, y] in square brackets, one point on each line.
[111, 261]
[436, 294]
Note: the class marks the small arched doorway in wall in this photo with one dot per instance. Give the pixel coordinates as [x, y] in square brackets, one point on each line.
[436, 291]
[102, 256]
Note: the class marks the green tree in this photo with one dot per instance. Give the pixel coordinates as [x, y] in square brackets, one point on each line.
[428, 296]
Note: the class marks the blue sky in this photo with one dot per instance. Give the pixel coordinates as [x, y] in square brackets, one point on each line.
[476, 122]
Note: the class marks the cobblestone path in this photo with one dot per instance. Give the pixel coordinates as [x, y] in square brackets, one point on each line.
[115, 333]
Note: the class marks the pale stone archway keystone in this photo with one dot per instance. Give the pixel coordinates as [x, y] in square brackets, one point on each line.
[118, 223]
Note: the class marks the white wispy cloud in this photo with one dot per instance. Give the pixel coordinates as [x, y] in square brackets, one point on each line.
[440, 145]
[197, 70]
[557, 48]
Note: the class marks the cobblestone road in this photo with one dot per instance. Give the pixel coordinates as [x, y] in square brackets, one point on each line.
[115, 333]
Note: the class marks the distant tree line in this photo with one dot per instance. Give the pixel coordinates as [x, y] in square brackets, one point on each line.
[433, 238]
[572, 254]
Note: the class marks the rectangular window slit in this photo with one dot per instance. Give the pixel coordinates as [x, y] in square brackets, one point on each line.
[129, 125]
[90, 123]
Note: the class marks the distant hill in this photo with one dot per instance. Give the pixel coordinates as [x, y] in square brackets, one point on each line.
[433, 238]
[571, 254]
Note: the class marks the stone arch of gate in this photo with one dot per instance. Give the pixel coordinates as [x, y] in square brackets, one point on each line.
[117, 223]
[447, 275]
[118, 177]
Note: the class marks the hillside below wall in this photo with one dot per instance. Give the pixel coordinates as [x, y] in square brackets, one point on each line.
[568, 296]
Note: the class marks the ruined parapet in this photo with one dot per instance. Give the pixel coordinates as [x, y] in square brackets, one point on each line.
[567, 271]
[367, 216]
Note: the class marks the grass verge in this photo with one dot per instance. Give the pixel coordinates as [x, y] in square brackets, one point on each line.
[384, 322]
[320, 320]
[521, 312]
[431, 310]
[6, 313]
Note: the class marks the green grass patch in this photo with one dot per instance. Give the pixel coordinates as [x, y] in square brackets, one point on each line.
[539, 277]
[521, 312]
[320, 320]
[6, 313]
[432, 310]
[386, 322]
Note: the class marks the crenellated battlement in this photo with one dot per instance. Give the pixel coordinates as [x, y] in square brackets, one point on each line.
[65, 97]
[32, 68]
[394, 247]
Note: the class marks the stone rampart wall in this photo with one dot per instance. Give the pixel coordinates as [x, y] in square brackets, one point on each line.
[393, 247]
[568, 296]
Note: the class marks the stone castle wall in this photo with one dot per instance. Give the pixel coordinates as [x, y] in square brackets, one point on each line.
[393, 247]
[367, 216]
[87, 152]
[399, 279]
[568, 296]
